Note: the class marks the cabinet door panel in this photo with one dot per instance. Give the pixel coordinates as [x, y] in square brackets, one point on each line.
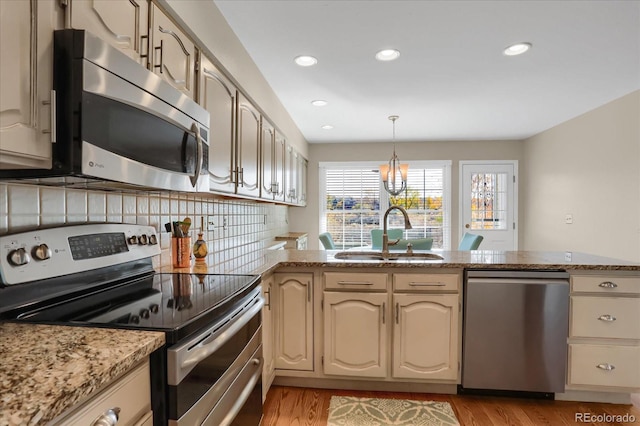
[294, 321]
[26, 61]
[268, 185]
[267, 336]
[279, 166]
[218, 96]
[121, 23]
[248, 148]
[355, 334]
[173, 55]
[425, 336]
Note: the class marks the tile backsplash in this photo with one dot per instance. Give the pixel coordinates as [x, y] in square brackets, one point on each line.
[239, 231]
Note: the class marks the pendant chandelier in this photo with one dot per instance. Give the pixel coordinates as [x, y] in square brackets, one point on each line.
[394, 174]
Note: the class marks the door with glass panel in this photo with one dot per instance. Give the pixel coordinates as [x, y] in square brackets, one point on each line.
[489, 203]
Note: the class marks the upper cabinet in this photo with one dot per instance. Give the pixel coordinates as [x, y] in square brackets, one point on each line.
[122, 23]
[26, 82]
[296, 177]
[272, 160]
[248, 158]
[218, 96]
[173, 55]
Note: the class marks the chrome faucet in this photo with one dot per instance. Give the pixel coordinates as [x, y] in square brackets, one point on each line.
[385, 237]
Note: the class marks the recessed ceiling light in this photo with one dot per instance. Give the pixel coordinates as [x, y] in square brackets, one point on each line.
[319, 102]
[327, 127]
[517, 49]
[305, 61]
[387, 55]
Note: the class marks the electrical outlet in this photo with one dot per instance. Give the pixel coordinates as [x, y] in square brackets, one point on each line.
[212, 222]
[568, 219]
[567, 256]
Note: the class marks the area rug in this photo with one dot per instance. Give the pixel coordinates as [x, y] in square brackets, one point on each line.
[352, 411]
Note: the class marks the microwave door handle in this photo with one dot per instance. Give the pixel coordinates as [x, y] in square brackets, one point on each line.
[199, 153]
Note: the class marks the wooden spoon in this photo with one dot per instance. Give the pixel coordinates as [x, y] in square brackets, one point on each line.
[185, 224]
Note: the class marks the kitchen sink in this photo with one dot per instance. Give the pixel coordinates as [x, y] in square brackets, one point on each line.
[376, 255]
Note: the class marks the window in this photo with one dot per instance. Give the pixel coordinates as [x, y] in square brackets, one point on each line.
[353, 202]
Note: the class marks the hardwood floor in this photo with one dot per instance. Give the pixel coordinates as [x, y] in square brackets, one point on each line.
[286, 406]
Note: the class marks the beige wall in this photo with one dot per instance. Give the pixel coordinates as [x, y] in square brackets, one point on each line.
[204, 22]
[307, 218]
[588, 167]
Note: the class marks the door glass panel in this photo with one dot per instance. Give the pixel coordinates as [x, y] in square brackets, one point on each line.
[489, 201]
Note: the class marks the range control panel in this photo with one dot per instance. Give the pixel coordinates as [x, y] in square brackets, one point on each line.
[53, 252]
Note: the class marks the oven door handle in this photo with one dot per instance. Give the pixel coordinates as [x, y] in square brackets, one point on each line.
[244, 395]
[205, 348]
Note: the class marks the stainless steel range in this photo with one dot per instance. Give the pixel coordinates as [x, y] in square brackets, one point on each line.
[101, 275]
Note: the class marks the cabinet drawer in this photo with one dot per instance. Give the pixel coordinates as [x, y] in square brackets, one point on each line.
[599, 365]
[423, 282]
[605, 284]
[355, 281]
[606, 317]
[131, 393]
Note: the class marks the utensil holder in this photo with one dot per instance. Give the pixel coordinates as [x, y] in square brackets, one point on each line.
[181, 252]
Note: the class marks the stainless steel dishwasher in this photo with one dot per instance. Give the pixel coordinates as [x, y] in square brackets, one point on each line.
[515, 330]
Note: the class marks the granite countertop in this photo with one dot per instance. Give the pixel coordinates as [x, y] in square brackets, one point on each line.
[269, 260]
[290, 236]
[46, 369]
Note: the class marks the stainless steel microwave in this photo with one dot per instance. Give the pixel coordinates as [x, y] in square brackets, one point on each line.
[118, 123]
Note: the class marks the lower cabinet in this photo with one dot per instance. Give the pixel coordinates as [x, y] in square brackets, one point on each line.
[399, 335]
[425, 336]
[355, 334]
[604, 332]
[293, 321]
[131, 394]
[268, 336]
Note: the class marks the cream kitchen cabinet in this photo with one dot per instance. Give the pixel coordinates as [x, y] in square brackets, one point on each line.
[293, 321]
[604, 332]
[295, 177]
[122, 23]
[248, 148]
[412, 333]
[219, 96]
[268, 337]
[26, 83]
[355, 334]
[301, 180]
[130, 395]
[173, 56]
[425, 336]
[272, 162]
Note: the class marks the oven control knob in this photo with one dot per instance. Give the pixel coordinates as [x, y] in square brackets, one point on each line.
[18, 257]
[144, 313]
[132, 240]
[134, 319]
[41, 252]
[154, 308]
[143, 240]
[153, 240]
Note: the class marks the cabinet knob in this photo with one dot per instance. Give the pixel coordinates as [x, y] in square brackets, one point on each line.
[108, 418]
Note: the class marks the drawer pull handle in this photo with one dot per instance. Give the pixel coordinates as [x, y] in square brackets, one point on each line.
[607, 284]
[606, 367]
[433, 284]
[607, 318]
[355, 283]
[108, 418]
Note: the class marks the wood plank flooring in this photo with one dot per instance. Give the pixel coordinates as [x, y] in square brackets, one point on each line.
[289, 406]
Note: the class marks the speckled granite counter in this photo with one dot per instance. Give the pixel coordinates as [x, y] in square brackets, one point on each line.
[46, 369]
[267, 261]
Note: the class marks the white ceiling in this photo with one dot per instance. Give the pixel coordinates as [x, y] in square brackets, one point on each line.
[452, 81]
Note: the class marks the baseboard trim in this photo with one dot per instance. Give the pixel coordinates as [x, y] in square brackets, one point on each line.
[345, 384]
[589, 396]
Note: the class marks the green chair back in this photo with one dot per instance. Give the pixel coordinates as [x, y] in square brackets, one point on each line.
[376, 236]
[327, 241]
[470, 241]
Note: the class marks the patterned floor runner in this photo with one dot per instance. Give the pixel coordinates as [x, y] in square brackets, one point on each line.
[351, 411]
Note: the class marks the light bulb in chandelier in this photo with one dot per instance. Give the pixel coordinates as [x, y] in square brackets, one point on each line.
[394, 174]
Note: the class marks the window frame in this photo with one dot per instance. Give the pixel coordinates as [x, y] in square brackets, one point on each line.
[445, 165]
